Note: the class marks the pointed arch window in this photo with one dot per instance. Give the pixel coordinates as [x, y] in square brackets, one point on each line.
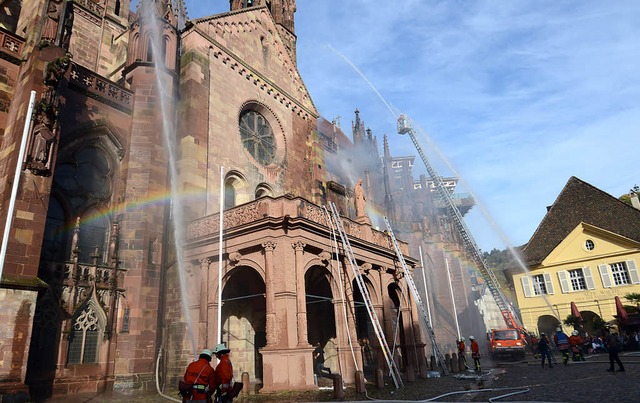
[85, 181]
[117, 8]
[149, 50]
[83, 341]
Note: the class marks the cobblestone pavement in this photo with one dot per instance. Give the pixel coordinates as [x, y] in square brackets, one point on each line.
[586, 381]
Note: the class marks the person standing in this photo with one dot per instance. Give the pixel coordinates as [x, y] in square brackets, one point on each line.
[545, 349]
[202, 376]
[575, 341]
[224, 374]
[614, 346]
[318, 355]
[562, 341]
[462, 354]
[475, 353]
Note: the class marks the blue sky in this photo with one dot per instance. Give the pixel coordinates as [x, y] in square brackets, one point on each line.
[514, 97]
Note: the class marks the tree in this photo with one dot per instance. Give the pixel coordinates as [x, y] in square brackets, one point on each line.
[599, 325]
[634, 298]
[574, 321]
[626, 198]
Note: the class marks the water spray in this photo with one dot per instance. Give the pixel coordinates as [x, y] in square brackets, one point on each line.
[168, 131]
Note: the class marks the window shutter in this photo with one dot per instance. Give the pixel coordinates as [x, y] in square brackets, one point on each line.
[588, 278]
[548, 283]
[564, 281]
[604, 274]
[633, 272]
[526, 287]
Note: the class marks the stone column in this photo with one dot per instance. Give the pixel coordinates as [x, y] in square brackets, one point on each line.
[301, 295]
[272, 336]
[352, 308]
[204, 302]
[409, 339]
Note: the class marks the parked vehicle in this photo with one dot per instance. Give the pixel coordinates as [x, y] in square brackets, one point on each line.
[506, 343]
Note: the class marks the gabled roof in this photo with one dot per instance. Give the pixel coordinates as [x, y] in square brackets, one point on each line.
[580, 202]
[276, 68]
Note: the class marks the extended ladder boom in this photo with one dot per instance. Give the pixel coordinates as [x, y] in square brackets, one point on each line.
[416, 296]
[377, 327]
[470, 244]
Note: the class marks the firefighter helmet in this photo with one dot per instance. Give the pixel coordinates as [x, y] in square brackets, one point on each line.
[220, 349]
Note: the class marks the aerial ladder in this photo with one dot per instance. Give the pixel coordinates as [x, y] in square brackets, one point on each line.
[359, 278]
[472, 249]
[440, 360]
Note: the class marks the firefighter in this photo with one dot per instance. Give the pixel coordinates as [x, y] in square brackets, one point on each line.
[224, 374]
[475, 352]
[576, 346]
[562, 341]
[202, 378]
[462, 352]
[545, 349]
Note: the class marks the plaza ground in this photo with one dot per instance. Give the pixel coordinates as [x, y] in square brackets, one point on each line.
[586, 381]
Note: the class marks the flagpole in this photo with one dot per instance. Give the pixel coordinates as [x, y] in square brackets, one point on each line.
[220, 255]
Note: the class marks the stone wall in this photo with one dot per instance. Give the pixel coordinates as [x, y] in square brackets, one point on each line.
[16, 315]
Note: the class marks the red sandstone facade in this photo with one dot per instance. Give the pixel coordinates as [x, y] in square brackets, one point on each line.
[93, 284]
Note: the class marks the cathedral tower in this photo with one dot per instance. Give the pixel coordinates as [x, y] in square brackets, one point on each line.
[282, 12]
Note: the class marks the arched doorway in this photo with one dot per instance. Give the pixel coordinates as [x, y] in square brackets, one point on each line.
[547, 324]
[244, 319]
[320, 310]
[592, 323]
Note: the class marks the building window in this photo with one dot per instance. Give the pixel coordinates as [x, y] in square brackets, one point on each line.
[83, 341]
[262, 191]
[257, 137]
[539, 286]
[589, 245]
[620, 273]
[577, 280]
[229, 195]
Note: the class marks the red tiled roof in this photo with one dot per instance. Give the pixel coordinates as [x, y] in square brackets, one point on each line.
[580, 202]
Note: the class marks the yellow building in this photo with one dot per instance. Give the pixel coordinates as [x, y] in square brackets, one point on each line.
[584, 253]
